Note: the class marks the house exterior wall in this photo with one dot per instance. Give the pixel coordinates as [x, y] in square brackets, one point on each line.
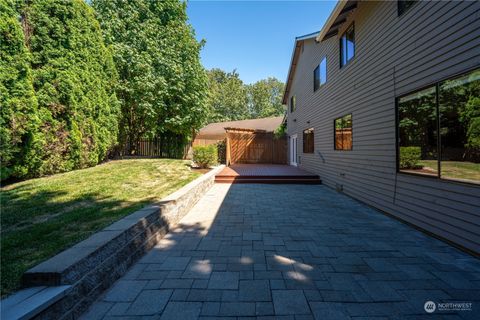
[394, 55]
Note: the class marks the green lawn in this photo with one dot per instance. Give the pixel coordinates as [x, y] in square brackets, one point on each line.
[456, 169]
[41, 217]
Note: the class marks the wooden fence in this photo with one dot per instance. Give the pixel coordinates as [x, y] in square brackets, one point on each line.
[343, 139]
[250, 146]
[175, 147]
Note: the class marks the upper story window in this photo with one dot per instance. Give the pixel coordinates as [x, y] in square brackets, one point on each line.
[343, 133]
[439, 130]
[308, 142]
[404, 5]
[320, 74]
[293, 103]
[347, 46]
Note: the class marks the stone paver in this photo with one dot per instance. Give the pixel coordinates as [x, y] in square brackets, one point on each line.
[291, 251]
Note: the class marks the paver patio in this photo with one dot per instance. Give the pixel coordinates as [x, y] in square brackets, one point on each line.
[291, 252]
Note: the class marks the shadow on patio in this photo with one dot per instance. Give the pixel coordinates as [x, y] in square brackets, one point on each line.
[291, 250]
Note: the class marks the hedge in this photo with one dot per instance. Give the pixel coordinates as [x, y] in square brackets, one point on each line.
[59, 109]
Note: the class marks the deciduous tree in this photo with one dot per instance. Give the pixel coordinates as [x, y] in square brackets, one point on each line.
[162, 85]
[227, 96]
[265, 98]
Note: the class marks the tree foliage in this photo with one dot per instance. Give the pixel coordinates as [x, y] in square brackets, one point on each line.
[265, 98]
[231, 99]
[18, 104]
[71, 114]
[227, 96]
[162, 85]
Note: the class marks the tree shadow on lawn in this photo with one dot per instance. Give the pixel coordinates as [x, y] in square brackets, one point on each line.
[37, 226]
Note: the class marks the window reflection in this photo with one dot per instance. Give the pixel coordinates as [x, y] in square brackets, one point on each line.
[347, 46]
[343, 133]
[418, 132]
[457, 116]
[459, 106]
[308, 141]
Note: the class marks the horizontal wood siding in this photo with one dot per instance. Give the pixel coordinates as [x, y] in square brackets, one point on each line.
[393, 55]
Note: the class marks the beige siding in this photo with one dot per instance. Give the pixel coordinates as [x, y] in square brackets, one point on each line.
[394, 55]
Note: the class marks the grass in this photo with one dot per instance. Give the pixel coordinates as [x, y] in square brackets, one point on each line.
[41, 217]
[456, 169]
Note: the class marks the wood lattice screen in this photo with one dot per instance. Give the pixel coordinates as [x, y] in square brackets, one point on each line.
[250, 146]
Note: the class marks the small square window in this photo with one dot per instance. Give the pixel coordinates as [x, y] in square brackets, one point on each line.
[343, 133]
[308, 142]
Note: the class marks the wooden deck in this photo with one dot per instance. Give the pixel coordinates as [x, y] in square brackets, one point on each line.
[266, 173]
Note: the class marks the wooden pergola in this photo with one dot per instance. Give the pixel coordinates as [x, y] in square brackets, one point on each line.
[254, 146]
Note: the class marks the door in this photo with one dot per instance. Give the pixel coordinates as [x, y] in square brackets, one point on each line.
[293, 150]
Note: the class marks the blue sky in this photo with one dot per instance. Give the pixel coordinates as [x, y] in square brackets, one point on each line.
[254, 37]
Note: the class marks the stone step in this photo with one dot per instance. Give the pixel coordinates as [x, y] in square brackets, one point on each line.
[269, 180]
[27, 303]
[240, 177]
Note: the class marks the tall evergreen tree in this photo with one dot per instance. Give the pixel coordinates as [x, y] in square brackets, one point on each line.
[18, 105]
[73, 74]
[162, 85]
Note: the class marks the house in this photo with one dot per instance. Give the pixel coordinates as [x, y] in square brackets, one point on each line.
[215, 132]
[384, 104]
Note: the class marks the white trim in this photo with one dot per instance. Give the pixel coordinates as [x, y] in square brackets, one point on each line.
[293, 150]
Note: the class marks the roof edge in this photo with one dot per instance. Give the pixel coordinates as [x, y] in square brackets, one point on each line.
[331, 19]
[291, 69]
[307, 36]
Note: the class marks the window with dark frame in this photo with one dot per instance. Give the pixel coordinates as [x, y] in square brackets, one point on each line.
[347, 46]
[439, 130]
[308, 141]
[343, 133]
[292, 103]
[404, 5]
[320, 74]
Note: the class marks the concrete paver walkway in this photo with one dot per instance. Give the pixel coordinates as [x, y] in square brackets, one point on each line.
[292, 252]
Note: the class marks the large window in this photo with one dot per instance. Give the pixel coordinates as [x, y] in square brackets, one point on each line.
[308, 142]
[343, 133]
[404, 5]
[292, 104]
[347, 46]
[320, 74]
[439, 130]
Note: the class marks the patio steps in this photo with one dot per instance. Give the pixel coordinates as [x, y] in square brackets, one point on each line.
[277, 179]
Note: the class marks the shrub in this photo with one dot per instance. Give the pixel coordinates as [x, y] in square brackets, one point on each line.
[205, 156]
[410, 157]
[281, 130]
